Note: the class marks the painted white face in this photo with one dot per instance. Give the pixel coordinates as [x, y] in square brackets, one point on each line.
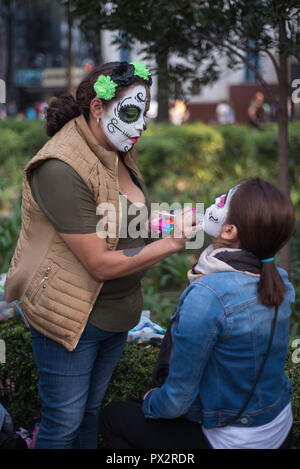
[215, 215]
[124, 120]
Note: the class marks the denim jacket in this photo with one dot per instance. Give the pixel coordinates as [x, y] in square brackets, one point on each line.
[220, 335]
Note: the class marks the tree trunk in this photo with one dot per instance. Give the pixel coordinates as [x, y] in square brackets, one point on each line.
[283, 158]
[10, 54]
[162, 88]
[70, 52]
[97, 48]
[94, 40]
[3, 49]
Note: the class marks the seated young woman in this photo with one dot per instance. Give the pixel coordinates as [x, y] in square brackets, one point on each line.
[223, 384]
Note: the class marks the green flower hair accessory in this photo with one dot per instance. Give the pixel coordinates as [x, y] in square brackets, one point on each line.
[105, 87]
[140, 70]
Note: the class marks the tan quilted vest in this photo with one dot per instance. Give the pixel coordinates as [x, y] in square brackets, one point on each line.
[55, 291]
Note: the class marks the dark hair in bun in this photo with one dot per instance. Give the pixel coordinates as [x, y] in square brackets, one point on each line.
[60, 111]
[66, 107]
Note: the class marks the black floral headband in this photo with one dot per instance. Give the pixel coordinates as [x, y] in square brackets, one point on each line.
[123, 74]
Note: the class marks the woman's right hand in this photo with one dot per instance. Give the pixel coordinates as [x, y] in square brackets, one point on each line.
[185, 226]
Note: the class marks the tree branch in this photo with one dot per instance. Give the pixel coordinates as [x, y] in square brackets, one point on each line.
[255, 50]
[273, 60]
[222, 44]
[254, 70]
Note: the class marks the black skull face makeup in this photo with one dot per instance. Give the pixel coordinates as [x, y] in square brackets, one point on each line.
[124, 121]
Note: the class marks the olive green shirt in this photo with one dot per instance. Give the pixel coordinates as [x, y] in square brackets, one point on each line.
[69, 204]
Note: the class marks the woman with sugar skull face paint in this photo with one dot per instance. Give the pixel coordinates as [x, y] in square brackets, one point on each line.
[81, 291]
[124, 121]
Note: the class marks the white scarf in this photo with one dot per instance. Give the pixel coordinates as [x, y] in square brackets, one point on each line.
[209, 264]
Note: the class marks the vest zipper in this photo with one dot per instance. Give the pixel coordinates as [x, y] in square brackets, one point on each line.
[44, 279]
[74, 345]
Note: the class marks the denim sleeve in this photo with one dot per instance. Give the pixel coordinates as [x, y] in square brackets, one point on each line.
[200, 320]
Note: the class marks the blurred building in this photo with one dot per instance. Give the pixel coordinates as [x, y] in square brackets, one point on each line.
[34, 54]
[237, 88]
[234, 88]
[34, 51]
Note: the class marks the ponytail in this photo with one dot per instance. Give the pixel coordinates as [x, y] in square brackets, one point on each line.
[265, 220]
[61, 111]
[271, 287]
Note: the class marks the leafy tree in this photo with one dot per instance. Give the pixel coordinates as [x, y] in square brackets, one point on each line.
[7, 13]
[270, 27]
[160, 30]
[186, 37]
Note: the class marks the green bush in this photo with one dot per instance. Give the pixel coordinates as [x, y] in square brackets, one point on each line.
[188, 163]
[131, 379]
[19, 141]
[194, 162]
[163, 285]
[10, 169]
[18, 376]
[185, 154]
[294, 149]
[179, 163]
[133, 374]
[9, 233]
[34, 127]
[19, 380]
[33, 138]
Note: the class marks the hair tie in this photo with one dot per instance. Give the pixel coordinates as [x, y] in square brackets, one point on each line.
[270, 259]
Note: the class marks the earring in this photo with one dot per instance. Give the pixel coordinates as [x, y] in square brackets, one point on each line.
[98, 121]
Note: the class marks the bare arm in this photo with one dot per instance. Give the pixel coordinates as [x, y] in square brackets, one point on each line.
[104, 264]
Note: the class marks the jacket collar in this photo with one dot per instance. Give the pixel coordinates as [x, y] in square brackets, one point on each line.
[225, 260]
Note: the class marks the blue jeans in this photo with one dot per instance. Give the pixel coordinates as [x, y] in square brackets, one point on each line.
[72, 386]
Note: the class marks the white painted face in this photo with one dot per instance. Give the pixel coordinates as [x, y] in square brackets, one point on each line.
[215, 215]
[124, 120]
